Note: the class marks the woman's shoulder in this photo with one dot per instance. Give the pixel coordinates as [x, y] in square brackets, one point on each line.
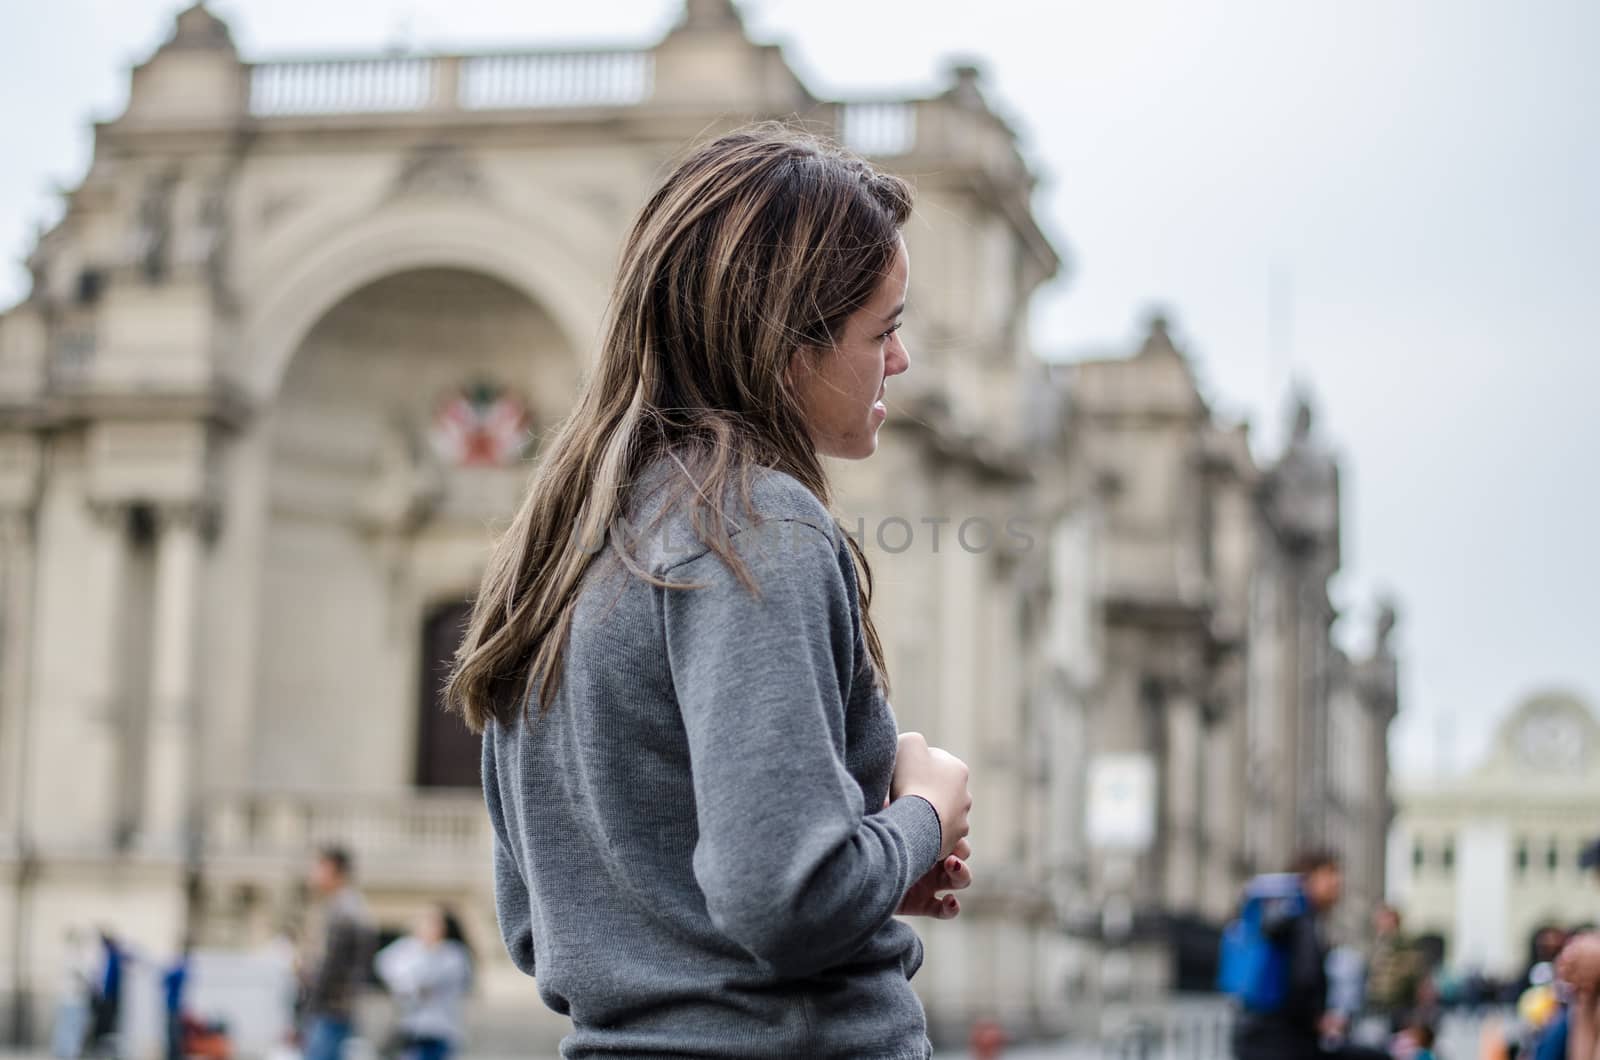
[756, 502]
[778, 495]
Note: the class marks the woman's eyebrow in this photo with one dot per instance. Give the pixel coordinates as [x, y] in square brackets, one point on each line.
[896, 311]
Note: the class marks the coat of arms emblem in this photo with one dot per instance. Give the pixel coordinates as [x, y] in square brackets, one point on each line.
[481, 425]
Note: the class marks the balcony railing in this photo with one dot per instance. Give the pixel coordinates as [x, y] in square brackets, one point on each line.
[376, 85]
[346, 86]
[882, 129]
[379, 85]
[459, 85]
[555, 79]
[423, 835]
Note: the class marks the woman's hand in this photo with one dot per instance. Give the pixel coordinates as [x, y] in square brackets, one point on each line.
[938, 776]
[950, 874]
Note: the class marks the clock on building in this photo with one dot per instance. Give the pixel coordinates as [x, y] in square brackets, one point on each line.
[1552, 742]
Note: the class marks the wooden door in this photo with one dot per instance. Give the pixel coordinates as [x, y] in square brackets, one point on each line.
[447, 751]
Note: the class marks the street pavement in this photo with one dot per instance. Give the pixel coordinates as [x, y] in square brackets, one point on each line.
[1459, 1040]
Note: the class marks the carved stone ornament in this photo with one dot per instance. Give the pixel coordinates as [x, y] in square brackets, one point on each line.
[202, 515]
[153, 226]
[197, 27]
[407, 484]
[711, 14]
[1306, 481]
[1388, 617]
[439, 169]
[482, 425]
[277, 204]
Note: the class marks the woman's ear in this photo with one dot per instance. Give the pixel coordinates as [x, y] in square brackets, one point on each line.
[797, 368]
[792, 365]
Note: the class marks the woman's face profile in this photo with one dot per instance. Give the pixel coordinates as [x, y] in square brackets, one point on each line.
[841, 388]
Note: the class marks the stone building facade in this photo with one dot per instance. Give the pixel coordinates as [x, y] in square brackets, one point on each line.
[279, 373]
[1218, 665]
[276, 376]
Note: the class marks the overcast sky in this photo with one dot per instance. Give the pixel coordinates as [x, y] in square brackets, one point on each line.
[1423, 178]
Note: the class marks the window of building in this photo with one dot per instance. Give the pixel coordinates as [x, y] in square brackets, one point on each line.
[1552, 856]
[1522, 857]
[1447, 856]
[1418, 855]
[90, 283]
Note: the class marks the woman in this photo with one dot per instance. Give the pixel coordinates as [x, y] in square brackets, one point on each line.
[704, 821]
[428, 972]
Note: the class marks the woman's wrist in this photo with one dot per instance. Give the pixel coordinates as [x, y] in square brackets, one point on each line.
[937, 819]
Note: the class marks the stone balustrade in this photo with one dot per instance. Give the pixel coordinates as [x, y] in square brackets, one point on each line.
[422, 837]
[519, 80]
[380, 84]
[879, 128]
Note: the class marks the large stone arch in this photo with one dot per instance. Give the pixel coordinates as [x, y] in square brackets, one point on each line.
[364, 529]
[306, 280]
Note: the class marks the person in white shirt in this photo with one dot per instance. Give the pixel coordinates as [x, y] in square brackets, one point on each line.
[429, 973]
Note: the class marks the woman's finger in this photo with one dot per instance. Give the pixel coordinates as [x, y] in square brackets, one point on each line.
[955, 874]
[963, 850]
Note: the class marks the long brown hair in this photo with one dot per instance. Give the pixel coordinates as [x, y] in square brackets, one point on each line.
[757, 248]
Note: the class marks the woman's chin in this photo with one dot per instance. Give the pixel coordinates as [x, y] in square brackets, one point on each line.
[855, 448]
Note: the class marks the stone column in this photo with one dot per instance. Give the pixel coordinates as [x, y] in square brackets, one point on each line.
[1227, 791]
[171, 741]
[16, 650]
[1222, 809]
[17, 932]
[112, 754]
[1181, 796]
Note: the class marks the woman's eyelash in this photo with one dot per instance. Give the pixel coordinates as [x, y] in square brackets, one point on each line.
[891, 331]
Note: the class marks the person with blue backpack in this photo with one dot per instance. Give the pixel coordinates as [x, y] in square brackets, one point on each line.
[1274, 964]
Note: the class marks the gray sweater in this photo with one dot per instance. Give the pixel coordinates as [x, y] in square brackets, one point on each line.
[691, 851]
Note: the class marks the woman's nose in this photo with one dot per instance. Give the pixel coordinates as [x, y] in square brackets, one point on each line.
[898, 359]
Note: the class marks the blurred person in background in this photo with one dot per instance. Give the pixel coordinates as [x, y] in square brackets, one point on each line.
[1303, 1026]
[1346, 983]
[428, 973]
[334, 968]
[173, 982]
[75, 1004]
[1546, 946]
[1394, 972]
[687, 741]
[1552, 1040]
[1579, 968]
[106, 1004]
[1541, 1014]
[1414, 1042]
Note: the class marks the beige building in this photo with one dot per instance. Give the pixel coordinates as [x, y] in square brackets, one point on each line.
[275, 378]
[1484, 859]
[280, 368]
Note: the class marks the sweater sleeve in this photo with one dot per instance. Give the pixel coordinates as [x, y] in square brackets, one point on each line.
[791, 866]
[512, 907]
